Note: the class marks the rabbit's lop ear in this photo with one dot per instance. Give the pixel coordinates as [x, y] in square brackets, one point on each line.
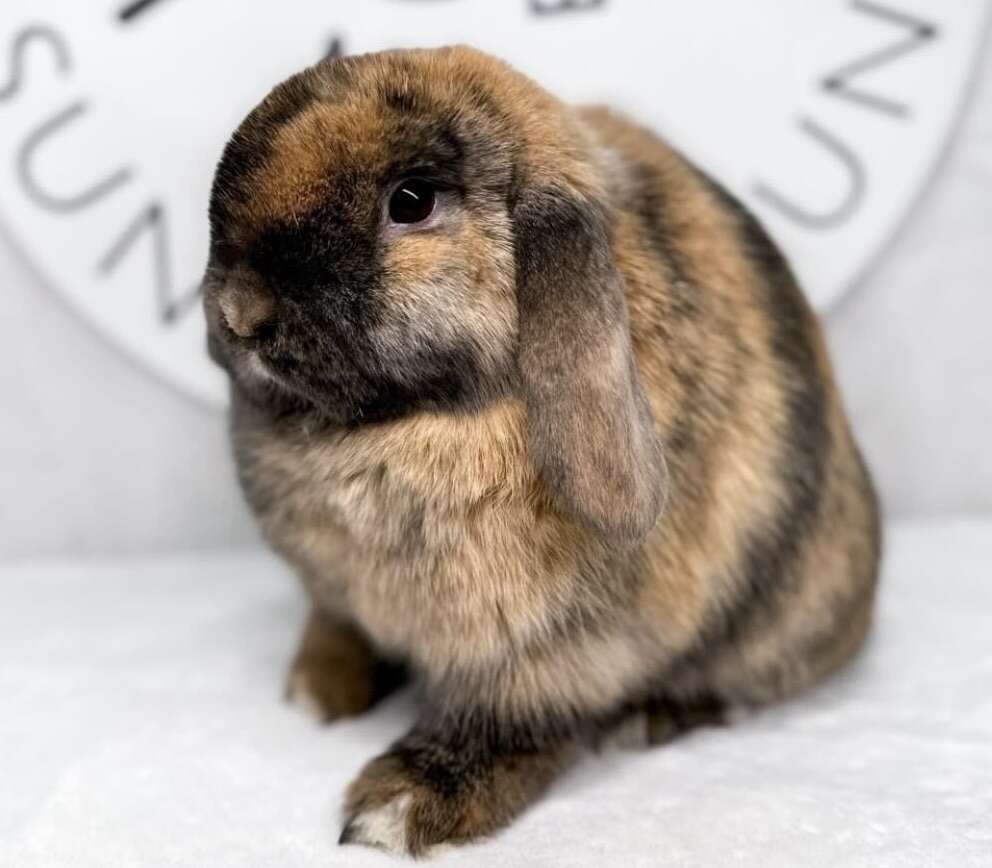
[591, 429]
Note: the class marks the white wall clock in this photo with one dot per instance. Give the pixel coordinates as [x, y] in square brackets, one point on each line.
[825, 116]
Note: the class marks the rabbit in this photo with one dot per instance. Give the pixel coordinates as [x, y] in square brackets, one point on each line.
[539, 415]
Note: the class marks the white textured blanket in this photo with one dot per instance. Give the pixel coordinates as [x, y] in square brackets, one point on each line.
[141, 724]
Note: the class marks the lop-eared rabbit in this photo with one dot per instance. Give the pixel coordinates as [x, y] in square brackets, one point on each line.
[539, 415]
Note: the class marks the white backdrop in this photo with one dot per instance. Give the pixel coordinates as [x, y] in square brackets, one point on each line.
[96, 455]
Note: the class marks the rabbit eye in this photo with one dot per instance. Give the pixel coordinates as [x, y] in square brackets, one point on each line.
[412, 201]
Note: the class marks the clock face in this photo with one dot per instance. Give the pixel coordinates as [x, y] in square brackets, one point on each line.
[824, 117]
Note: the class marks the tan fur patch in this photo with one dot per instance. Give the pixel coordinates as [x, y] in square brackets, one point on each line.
[310, 145]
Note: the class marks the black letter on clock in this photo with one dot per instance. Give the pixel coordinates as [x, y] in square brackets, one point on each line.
[21, 42]
[335, 48]
[836, 82]
[552, 7]
[849, 202]
[153, 219]
[51, 201]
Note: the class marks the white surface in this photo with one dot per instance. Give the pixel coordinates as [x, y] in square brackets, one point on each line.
[141, 725]
[98, 456]
[145, 132]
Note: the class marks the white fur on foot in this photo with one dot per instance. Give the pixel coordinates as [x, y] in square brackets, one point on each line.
[383, 827]
[298, 693]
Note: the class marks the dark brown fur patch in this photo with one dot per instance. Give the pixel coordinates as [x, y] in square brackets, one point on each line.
[337, 670]
[591, 427]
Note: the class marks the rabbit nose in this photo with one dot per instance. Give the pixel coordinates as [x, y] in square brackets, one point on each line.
[247, 306]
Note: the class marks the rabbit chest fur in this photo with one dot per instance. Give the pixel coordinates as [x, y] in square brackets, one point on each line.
[438, 537]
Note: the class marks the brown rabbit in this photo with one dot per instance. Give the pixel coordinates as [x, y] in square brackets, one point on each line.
[538, 412]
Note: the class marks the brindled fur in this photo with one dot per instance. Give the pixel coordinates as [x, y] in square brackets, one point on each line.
[571, 452]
